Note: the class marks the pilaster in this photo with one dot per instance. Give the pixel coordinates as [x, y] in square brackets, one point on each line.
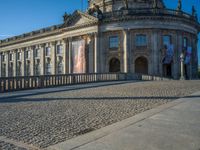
[96, 42]
[15, 63]
[91, 54]
[70, 56]
[7, 64]
[53, 57]
[64, 47]
[23, 62]
[0, 65]
[42, 59]
[125, 53]
[155, 52]
[32, 64]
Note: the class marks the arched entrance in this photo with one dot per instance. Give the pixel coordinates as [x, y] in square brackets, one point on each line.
[141, 65]
[167, 70]
[114, 65]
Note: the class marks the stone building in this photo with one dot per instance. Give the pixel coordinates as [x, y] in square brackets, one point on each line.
[130, 36]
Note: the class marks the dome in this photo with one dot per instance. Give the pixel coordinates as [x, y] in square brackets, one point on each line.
[113, 5]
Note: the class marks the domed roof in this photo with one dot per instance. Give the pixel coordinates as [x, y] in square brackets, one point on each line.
[112, 5]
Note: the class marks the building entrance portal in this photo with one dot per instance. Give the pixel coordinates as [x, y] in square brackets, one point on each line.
[167, 70]
[114, 65]
[141, 65]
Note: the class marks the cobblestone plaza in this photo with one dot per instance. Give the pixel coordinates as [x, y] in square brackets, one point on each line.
[41, 120]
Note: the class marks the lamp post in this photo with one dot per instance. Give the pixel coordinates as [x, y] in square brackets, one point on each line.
[182, 66]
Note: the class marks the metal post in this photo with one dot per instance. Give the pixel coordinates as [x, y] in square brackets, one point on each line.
[182, 67]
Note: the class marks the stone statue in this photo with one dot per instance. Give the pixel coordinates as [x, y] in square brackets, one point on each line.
[126, 4]
[66, 17]
[95, 9]
[193, 10]
[179, 7]
[155, 4]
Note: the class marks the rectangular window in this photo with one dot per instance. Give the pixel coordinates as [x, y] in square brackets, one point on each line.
[166, 40]
[3, 70]
[48, 51]
[19, 69]
[114, 42]
[37, 67]
[11, 70]
[37, 53]
[60, 68]
[141, 40]
[28, 69]
[3, 58]
[28, 54]
[185, 42]
[48, 69]
[19, 56]
[11, 57]
[59, 49]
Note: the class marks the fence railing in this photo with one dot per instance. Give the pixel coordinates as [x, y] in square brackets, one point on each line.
[9, 84]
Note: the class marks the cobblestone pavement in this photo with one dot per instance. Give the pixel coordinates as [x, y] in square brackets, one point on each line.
[47, 119]
[9, 146]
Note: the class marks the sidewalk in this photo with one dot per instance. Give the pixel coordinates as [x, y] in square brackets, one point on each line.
[173, 126]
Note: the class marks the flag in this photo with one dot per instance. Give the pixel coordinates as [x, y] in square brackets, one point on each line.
[78, 55]
[188, 55]
[169, 55]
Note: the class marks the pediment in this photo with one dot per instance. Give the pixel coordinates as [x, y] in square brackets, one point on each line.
[80, 18]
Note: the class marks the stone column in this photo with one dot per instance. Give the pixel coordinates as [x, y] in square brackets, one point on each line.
[64, 49]
[125, 54]
[0, 65]
[32, 63]
[155, 52]
[180, 49]
[195, 57]
[42, 59]
[7, 64]
[23, 62]
[91, 54]
[53, 57]
[176, 56]
[15, 63]
[70, 56]
[95, 53]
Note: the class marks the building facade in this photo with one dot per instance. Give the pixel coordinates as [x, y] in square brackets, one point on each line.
[130, 36]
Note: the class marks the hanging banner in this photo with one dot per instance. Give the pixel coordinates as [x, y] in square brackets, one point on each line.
[169, 55]
[78, 56]
[188, 55]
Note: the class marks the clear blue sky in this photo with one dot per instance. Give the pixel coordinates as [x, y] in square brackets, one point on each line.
[20, 16]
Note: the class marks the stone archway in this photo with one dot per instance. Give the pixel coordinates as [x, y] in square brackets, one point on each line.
[114, 65]
[141, 65]
[167, 70]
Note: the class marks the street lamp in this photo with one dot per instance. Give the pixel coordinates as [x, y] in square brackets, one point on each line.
[182, 66]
